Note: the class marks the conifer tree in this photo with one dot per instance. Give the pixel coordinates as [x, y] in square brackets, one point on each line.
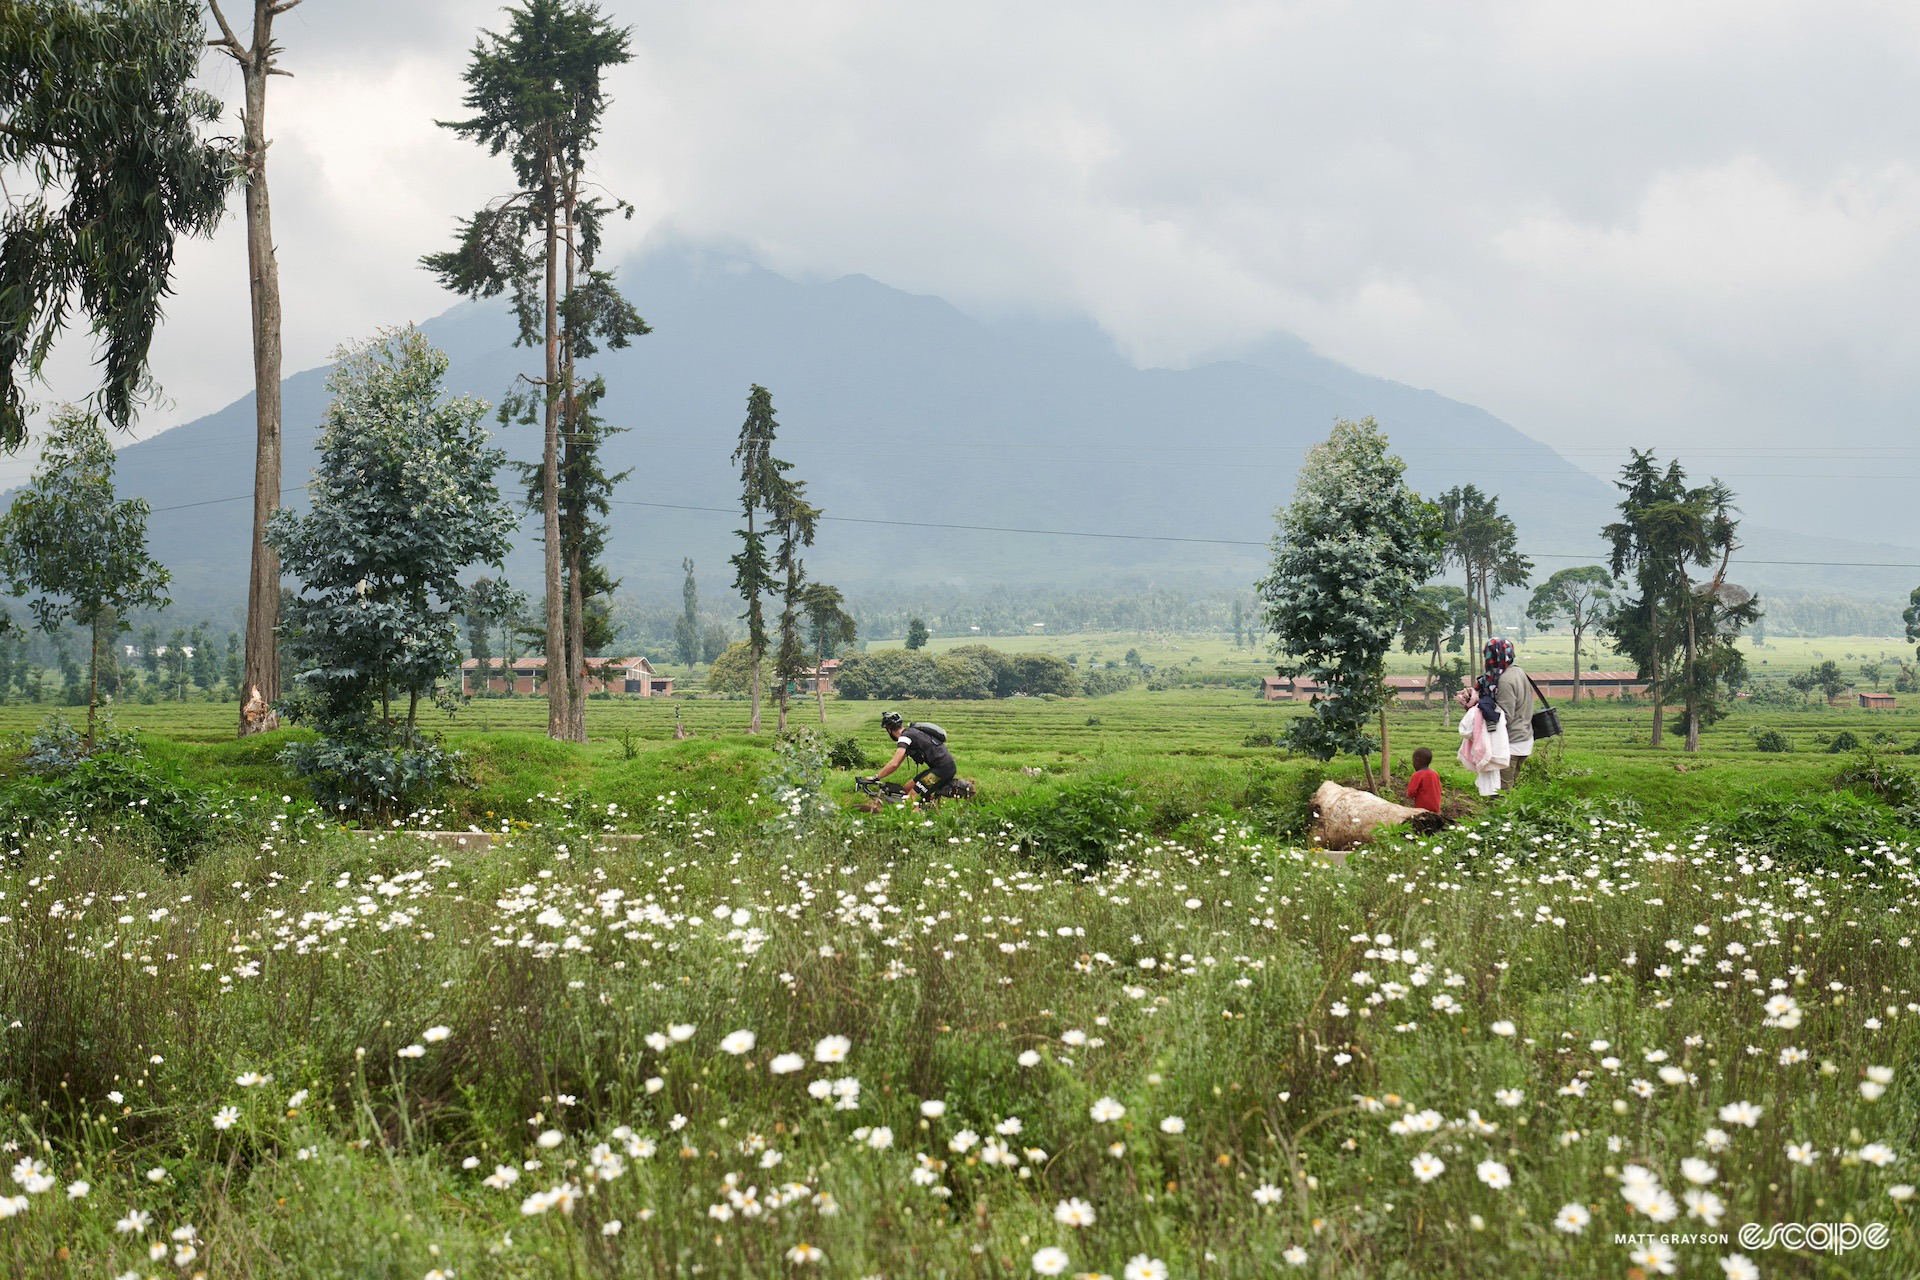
[760, 479]
[537, 95]
[794, 521]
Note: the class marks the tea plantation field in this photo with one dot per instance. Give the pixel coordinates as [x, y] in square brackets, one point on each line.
[1185, 747]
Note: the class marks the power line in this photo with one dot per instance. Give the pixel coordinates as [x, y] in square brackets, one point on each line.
[1090, 533]
[1222, 542]
[238, 497]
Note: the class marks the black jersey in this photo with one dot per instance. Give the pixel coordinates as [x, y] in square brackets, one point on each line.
[924, 749]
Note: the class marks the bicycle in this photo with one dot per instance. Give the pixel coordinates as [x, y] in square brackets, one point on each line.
[887, 792]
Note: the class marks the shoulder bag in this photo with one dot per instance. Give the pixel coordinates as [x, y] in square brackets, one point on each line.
[1546, 721]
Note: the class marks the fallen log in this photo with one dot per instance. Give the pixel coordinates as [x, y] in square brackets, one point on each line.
[1345, 817]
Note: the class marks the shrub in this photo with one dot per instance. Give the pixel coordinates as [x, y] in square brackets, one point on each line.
[796, 780]
[1076, 824]
[1771, 740]
[1098, 684]
[847, 753]
[1869, 775]
[57, 747]
[373, 772]
[130, 789]
[1042, 673]
[1843, 742]
[891, 675]
[968, 672]
[732, 671]
[1257, 740]
[1293, 815]
[1815, 830]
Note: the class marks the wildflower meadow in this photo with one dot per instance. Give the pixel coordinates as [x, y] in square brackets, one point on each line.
[640, 1041]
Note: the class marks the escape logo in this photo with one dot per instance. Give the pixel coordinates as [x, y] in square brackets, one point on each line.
[1821, 1237]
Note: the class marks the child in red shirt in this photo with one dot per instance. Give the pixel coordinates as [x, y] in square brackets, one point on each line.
[1423, 788]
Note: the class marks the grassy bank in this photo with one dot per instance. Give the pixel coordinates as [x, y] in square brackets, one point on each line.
[310, 1055]
[1185, 751]
[1113, 1009]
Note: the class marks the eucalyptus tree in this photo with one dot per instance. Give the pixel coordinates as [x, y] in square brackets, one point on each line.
[1716, 610]
[1436, 615]
[1485, 546]
[794, 522]
[832, 626]
[586, 493]
[78, 549]
[1667, 527]
[258, 60]
[1349, 553]
[1581, 596]
[99, 111]
[1653, 541]
[403, 501]
[538, 96]
[761, 477]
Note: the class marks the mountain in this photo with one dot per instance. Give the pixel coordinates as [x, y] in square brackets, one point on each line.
[900, 409]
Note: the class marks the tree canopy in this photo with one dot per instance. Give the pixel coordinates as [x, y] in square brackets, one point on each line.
[1582, 597]
[83, 552]
[538, 96]
[1349, 553]
[97, 105]
[404, 499]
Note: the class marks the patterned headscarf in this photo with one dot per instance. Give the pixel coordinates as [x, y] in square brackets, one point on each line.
[1499, 655]
[1485, 688]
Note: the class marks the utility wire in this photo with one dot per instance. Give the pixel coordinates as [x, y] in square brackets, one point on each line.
[1088, 533]
[1222, 542]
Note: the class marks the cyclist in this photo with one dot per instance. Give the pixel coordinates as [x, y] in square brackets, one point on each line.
[923, 748]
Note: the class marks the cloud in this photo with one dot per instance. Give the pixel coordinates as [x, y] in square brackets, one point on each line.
[1635, 223]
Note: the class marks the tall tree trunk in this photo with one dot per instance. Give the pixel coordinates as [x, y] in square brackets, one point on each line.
[93, 681]
[559, 679]
[755, 626]
[1576, 664]
[577, 644]
[819, 681]
[261, 685]
[1386, 755]
[783, 703]
[1653, 634]
[1693, 691]
[576, 535]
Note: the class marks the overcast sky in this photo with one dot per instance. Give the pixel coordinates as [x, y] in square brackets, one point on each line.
[1686, 223]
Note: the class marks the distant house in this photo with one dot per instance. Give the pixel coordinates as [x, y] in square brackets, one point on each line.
[1289, 689]
[528, 675]
[1606, 685]
[820, 678]
[1877, 701]
[636, 676]
[1556, 685]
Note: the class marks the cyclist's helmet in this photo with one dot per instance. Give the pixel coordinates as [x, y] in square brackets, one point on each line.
[891, 720]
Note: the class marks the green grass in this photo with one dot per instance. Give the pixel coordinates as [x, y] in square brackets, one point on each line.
[1285, 1013]
[1186, 747]
[1291, 1017]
